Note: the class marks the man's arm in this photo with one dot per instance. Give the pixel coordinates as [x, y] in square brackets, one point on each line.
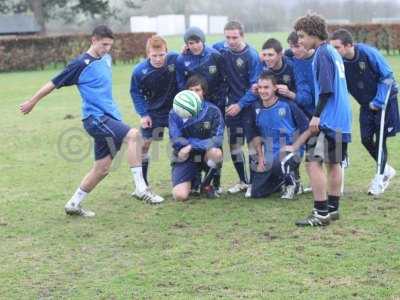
[385, 73]
[27, 106]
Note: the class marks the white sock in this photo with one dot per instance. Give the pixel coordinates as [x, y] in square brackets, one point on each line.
[137, 174]
[77, 198]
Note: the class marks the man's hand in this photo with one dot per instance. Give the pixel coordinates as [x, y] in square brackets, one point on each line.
[146, 122]
[284, 91]
[254, 88]
[26, 107]
[314, 125]
[233, 110]
[183, 154]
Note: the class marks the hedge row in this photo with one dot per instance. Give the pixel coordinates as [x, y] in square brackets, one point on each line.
[32, 53]
[382, 36]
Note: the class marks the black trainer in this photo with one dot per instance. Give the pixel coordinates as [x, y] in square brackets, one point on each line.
[314, 220]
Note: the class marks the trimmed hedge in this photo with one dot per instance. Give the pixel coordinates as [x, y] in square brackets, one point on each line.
[32, 53]
[382, 36]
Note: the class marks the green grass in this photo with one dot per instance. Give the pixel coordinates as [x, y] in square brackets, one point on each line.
[228, 248]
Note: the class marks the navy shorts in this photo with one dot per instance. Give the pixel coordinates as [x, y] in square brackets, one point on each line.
[266, 183]
[108, 134]
[185, 171]
[370, 120]
[156, 132]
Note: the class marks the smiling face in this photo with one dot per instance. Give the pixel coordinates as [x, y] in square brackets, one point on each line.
[266, 89]
[271, 58]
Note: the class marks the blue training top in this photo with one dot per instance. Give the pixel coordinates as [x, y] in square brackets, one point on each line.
[204, 131]
[153, 89]
[366, 74]
[305, 91]
[208, 64]
[93, 78]
[241, 72]
[278, 125]
[285, 75]
[329, 78]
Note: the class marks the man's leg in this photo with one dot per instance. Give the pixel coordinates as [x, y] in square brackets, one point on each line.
[135, 143]
[334, 189]
[236, 142]
[181, 191]
[146, 159]
[99, 170]
[182, 175]
[213, 159]
[316, 154]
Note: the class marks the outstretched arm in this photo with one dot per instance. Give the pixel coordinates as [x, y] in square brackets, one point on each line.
[27, 106]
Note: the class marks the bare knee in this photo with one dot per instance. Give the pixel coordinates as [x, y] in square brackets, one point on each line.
[132, 135]
[215, 154]
[180, 194]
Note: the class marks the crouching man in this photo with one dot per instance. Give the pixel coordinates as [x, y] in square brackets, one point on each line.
[196, 130]
[275, 123]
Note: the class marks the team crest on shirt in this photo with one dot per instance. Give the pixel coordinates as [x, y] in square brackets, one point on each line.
[257, 111]
[212, 69]
[87, 61]
[187, 63]
[239, 62]
[207, 125]
[286, 78]
[144, 71]
[362, 65]
[282, 112]
[171, 68]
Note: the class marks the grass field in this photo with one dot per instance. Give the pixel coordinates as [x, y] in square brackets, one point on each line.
[230, 248]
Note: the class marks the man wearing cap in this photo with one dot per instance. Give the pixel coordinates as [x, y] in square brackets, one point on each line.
[199, 59]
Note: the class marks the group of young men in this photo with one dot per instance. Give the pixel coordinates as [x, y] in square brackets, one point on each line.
[285, 104]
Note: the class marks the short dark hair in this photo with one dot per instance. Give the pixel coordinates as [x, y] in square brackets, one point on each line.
[343, 35]
[293, 38]
[274, 44]
[268, 75]
[235, 25]
[197, 79]
[313, 25]
[102, 31]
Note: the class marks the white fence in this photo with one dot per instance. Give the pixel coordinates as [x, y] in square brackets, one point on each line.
[175, 24]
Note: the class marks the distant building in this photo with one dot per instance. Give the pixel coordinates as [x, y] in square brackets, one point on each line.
[18, 25]
[386, 20]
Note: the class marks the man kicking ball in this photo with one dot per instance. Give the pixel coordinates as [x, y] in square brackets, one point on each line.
[91, 72]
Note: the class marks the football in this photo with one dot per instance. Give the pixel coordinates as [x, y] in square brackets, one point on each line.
[187, 104]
